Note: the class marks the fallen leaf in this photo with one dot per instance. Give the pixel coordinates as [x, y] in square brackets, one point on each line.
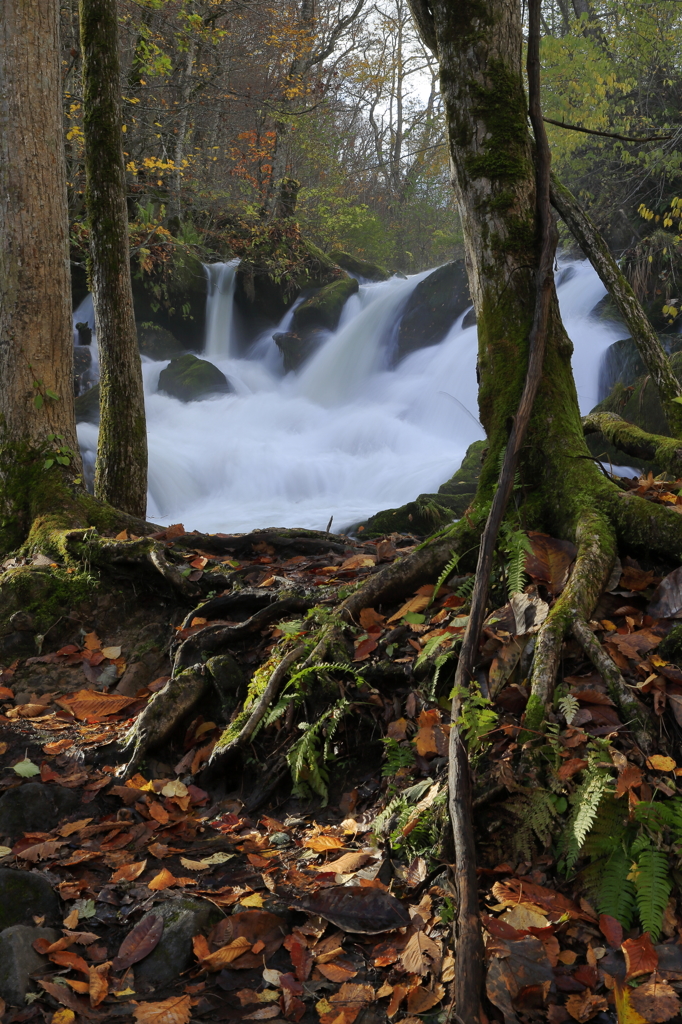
[99, 983]
[518, 890]
[347, 1003]
[348, 863]
[354, 908]
[640, 956]
[139, 942]
[175, 788]
[364, 649]
[421, 955]
[93, 704]
[321, 843]
[550, 561]
[666, 600]
[254, 926]
[611, 929]
[207, 862]
[224, 956]
[337, 972]
[92, 642]
[26, 768]
[660, 763]
[176, 1010]
[65, 958]
[421, 999]
[415, 604]
[111, 652]
[56, 748]
[359, 562]
[41, 851]
[128, 872]
[585, 1005]
[63, 1016]
[655, 1000]
[571, 767]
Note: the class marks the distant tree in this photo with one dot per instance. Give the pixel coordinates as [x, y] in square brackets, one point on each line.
[121, 467]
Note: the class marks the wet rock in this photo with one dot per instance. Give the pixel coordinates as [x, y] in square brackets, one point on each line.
[428, 513]
[462, 485]
[295, 350]
[322, 310]
[432, 308]
[362, 268]
[229, 683]
[183, 919]
[135, 677]
[24, 894]
[22, 620]
[173, 297]
[191, 379]
[18, 960]
[157, 342]
[87, 406]
[265, 299]
[84, 332]
[35, 806]
[82, 359]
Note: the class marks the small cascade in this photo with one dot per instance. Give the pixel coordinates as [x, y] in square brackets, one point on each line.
[349, 433]
[222, 279]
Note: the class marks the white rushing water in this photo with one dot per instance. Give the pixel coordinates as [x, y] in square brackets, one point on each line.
[345, 436]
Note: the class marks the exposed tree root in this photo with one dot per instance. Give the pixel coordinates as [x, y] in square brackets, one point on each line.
[596, 556]
[640, 721]
[284, 542]
[664, 451]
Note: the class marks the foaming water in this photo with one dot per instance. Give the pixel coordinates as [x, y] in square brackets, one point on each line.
[345, 436]
[221, 281]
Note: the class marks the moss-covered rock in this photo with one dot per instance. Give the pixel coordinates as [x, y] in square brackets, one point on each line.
[87, 406]
[295, 349]
[421, 517]
[157, 342]
[44, 593]
[432, 308]
[362, 268]
[190, 379]
[34, 806]
[465, 481]
[173, 296]
[182, 920]
[323, 309]
[24, 894]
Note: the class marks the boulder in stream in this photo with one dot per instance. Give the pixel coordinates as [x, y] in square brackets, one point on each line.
[190, 379]
[432, 308]
[158, 342]
[87, 406]
[361, 268]
[322, 311]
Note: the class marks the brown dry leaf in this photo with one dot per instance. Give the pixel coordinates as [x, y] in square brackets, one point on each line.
[41, 851]
[628, 779]
[348, 1002]
[348, 863]
[200, 947]
[65, 958]
[416, 872]
[99, 982]
[336, 971]
[420, 955]
[73, 826]
[158, 812]
[56, 748]
[321, 843]
[515, 891]
[139, 942]
[128, 872]
[62, 994]
[656, 1000]
[611, 929]
[356, 908]
[111, 652]
[176, 1010]
[92, 642]
[92, 704]
[81, 987]
[397, 729]
[359, 562]
[585, 1005]
[420, 999]
[371, 620]
[222, 957]
[163, 880]
[415, 604]
[63, 1016]
[571, 767]
[254, 926]
[175, 788]
[640, 956]
[550, 561]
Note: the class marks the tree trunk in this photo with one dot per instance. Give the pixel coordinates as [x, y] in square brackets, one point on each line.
[36, 334]
[121, 468]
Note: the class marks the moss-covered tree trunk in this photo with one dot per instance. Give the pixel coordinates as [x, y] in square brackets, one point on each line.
[36, 334]
[121, 468]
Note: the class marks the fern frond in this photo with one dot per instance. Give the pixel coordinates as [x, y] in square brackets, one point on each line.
[569, 707]
[306, 760]
[653, 885]
[585, 801]
[607, 883]
[444, 576]
[465, 589]
[536, 816]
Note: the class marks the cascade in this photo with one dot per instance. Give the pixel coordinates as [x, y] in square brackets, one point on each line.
[221, 279]
[347, 435]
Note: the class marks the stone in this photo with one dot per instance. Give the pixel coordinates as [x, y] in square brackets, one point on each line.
[23, 895]
[229, 682]
[135, 677]
[84, 332]
[361, 268]
[158, 342]
[182, 920]
[173, 296]
[424, 515]
[33, 807]
[432, 308]
[322, 311]
[263, 298]
[18, 960]
[295, 350]
[87, 406]
[190, 379]
[461, 487]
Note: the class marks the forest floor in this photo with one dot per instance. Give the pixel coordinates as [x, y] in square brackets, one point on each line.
[160, 899]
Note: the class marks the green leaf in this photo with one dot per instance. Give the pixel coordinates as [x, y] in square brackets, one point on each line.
[27, 769]
[414, 618]
[48, 463]
[38, 401]
[678, 400]
[85, 908]
[52, 394]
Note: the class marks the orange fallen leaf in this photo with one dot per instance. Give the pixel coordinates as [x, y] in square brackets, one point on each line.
[99, 982]
[224, 956]
[176, 1010]
[128, 872]
[321, 843]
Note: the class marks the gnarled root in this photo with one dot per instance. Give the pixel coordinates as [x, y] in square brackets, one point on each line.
[162, 714]
[639, 718]
[664, 451]
[596, 556]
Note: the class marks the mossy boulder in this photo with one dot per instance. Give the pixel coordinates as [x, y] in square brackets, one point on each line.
[423, 516]
[362, 268]
[432, 308]
[191, 379]
[295, 349]
[34, 806]
[173, 296]
[43, 593]
[272, 276]
[158, 342]
[183, 919]
[87, 406]
[322, 311]
[24, 894]
[463, 484]
[637, 402]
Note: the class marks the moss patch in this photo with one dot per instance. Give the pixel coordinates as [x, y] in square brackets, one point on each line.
[190, 379]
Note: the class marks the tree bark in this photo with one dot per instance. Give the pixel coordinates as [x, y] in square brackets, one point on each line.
[36, 334]
[645, 338]
[121, 468]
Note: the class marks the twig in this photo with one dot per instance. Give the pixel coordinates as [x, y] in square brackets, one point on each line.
[607, 135]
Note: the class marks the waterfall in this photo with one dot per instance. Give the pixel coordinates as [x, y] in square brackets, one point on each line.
[347, 434]
[222, 278]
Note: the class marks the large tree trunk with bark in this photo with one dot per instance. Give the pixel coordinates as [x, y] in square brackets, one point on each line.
[121, 469]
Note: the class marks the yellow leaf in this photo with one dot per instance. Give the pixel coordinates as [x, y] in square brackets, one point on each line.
[253, 900]
[415, 604]
[175, 788]
[111, 652]
[63, 1016]
[661, 763]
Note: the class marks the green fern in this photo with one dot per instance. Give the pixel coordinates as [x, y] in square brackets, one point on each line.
[516, 546]
[397, 757]
[444, 576]
[585, 802]
[465, 589]
[536, 816]
[308, 756]
[569, 707]
[653, 886]
[608, 885]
